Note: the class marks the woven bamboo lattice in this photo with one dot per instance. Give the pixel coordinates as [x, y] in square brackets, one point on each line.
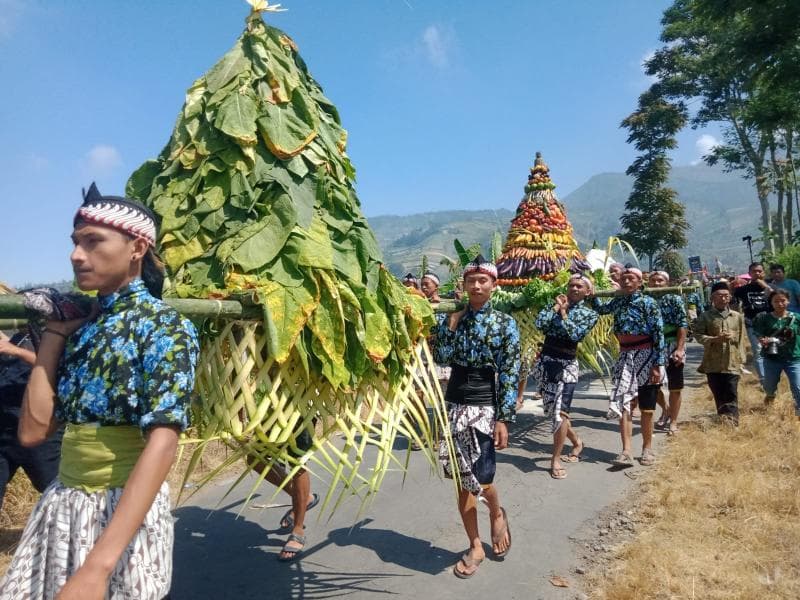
[259, 407]
[596, 351]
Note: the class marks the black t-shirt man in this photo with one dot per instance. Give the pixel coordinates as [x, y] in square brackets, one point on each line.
[752, 299]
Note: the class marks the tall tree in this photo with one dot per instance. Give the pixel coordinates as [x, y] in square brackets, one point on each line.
[654, 220]
[738, 61]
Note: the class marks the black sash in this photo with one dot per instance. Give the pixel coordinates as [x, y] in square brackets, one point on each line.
[471, 385]
[559, 347]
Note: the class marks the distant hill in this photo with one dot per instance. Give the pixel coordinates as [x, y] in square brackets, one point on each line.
[721, 208]
[404, 239]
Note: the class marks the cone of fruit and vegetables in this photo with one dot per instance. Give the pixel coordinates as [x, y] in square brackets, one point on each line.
[255, 197]
[540, 242]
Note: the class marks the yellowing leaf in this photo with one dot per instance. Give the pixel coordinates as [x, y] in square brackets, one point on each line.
[176, 255]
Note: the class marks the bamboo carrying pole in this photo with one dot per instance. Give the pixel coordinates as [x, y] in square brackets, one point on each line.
[12, 308]
[13, 313]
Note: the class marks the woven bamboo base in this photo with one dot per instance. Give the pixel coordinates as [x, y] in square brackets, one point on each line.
[260, 407]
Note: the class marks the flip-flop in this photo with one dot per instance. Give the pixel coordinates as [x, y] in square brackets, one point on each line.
[287, 521]
[291, 551]
[496, 538]
[622, 460]
[572, 457]
[558, 473]
[647, 459]
[469, 562]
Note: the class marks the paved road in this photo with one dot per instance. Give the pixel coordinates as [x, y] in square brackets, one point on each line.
[405, 544]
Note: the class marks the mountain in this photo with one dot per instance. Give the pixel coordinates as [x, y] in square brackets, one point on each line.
[721, 208]
[405, 239]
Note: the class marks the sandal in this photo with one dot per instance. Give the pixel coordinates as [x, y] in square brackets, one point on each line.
[287, 520]
[662, 423]
[558, 472]
[497, 538]
[573, 456]
[648, 459]
[622, 459]
[469, 562]
[291, 551]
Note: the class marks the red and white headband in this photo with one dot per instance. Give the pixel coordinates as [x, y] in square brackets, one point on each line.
[481, 265]
[118, 213]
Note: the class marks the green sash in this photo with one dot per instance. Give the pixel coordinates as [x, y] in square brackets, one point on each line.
[670, 332]
[98, 457]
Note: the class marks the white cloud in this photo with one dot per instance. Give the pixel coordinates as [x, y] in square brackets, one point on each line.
[704, 145]
[437, 46]
[103, 158]
[651, 79]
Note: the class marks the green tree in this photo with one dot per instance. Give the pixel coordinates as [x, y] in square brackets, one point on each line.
[737, 62]
[673, 263]
[654, 220]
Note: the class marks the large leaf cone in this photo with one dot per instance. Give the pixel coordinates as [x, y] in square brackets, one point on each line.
[254, 193]
[540, 240]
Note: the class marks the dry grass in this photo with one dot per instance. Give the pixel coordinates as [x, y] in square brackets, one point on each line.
[21, 496]
[720, 515]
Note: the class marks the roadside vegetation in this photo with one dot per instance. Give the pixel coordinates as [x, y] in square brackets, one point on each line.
[720, 514]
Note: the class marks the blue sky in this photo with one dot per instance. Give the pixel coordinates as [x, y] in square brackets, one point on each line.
[445, 102]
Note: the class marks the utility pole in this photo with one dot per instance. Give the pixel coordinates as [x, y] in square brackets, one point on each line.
[749, 240]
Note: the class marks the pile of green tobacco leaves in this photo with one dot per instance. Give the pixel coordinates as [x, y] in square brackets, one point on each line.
[254, 193]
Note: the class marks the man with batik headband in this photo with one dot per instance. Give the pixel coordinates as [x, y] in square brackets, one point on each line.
[121, 378]
[639, 369]
[564, 326]
[429, 284]
[676, 326]
[410, 281]
[482, 347]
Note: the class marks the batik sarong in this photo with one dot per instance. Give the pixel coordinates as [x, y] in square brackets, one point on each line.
[631, 371]
[470, 426]
[62, 530]
[557, 378]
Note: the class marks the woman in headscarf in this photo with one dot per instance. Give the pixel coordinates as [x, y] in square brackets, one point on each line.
[121, 379]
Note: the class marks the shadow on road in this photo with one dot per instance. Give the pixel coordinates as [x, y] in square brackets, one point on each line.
[393, 547]
[218, 555]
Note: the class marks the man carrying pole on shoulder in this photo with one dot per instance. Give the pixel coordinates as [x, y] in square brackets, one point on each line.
[556, 371]
[640, 367]
[673, 313]
[482, 347]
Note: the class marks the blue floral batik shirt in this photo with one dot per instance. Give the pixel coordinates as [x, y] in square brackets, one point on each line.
[673, 314]
[636, 314]
[132, 365]
[485, 338]
[579, 322]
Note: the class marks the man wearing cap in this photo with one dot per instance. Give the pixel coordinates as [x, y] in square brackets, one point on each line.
[673, 314]
[482, 347]
[722, 332]
[639, 369]
[563, 326]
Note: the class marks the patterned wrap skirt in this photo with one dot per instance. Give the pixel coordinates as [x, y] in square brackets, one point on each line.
[62, 530]
[555, 377]
[631, 371]
[472, 430]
